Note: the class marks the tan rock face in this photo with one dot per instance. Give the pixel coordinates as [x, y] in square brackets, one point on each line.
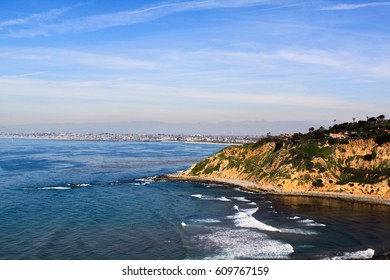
[359, 167]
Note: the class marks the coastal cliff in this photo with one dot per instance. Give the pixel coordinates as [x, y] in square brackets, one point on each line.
[306, 163]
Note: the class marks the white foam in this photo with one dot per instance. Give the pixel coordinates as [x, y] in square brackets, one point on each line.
[148, 179]
[298, 231]
[206, 221]
[238, 215]
[230, 244]
[241, 198]
[244, 191]
[250, 211]
[252, 203]
[311, 223]
[250, 222]
[212, 185]
[358, 255]
[294, 218]
[54, 188]
[316, 225]
[306, 221]
[223, 198]
[78, 185]
[203, 197]
[245, 219]
[144, 183]
[235, 207]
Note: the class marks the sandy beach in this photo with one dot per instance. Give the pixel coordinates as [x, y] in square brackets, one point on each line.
[253, 187]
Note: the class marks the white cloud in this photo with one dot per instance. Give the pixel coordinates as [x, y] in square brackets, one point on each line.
[310, 57]
[305, 56]
[381, 69]
[122, 18]
[340, 7]
[38, 73]
[35, 19]
[119, 91]
[63, 57]
[37, 99]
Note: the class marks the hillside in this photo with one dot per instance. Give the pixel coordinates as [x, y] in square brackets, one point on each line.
[351, 158]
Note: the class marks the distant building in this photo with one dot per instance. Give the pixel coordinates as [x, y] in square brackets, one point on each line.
[338, 135]
[285, 136]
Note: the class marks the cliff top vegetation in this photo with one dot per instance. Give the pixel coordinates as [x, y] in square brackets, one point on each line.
[377, 128]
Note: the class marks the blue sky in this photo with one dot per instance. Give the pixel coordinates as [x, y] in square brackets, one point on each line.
[193, 61]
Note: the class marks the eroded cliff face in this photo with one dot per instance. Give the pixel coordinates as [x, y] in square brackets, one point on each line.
[357, 167]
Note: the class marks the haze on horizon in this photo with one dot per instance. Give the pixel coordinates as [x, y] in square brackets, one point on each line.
[192, 61]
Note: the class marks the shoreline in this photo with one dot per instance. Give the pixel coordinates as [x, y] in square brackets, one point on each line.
[122, 140]
[270, 190]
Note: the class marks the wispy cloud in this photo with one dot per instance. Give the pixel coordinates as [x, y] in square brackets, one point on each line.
[130, 91]
[302, 56]
[129, 17]
[340, 7]
[64, 57]
[24, 75]
[36, 19]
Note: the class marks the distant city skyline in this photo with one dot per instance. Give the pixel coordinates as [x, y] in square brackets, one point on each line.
[73, 62]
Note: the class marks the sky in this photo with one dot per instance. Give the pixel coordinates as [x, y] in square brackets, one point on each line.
[193, 61]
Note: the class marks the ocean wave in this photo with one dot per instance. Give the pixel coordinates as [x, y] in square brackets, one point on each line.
[203, 197]
[298, 231]
[46, 188]
[115, 183]
[358, 255]
[244, 191]
[222, 198]
[78, 185]
[55, 188]
[244, 219]
[206, 221]
[241, 198]
[142, 183]
[294, 218]
[311, 223]
[250, 211]
[230, 244]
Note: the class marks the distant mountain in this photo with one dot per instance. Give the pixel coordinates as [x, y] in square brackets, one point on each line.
[205, 128]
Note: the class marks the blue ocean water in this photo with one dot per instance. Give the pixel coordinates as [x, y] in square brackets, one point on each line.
[95, 200]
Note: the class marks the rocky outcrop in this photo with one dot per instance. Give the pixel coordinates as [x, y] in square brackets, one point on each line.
[359, 166]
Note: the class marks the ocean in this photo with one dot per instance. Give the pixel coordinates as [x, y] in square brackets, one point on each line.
[92, 200]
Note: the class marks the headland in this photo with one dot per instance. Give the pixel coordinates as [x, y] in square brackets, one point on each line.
[350, 161]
